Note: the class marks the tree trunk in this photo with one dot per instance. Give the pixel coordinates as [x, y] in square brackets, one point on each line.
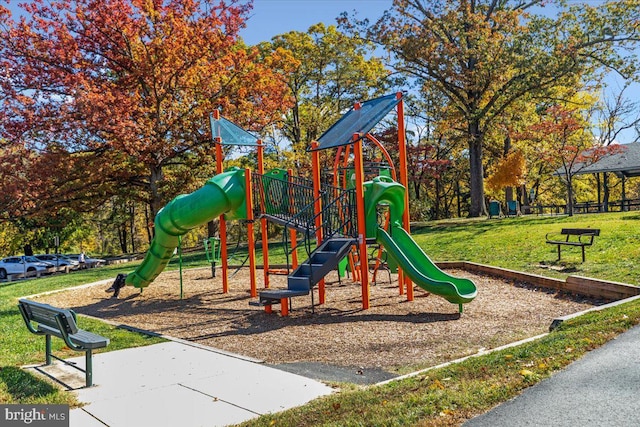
[212, 228]
[508, 194]
[435, 207]
[569, 194]
[122, 234]
[149, 224]
[458, 203]
[155, 204]
[476, 172]
[508, 191]
[132, 226]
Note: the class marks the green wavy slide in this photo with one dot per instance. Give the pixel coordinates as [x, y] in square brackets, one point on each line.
[221, 194]
[421, 270]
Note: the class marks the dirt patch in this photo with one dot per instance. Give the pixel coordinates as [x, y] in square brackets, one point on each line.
[393, 333]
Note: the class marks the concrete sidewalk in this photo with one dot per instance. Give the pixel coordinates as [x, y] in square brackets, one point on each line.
[600, 389]
[177, 384]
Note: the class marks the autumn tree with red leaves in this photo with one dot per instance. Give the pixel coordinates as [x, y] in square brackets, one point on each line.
[112, 96]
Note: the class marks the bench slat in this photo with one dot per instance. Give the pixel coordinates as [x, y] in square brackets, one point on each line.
[580, 231]
[84, 339]
[46, 314]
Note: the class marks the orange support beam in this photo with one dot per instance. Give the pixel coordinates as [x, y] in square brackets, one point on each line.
[362, 232]
[223, 225]
[263, 221]
[250, 233]
[404, 180]
[317, 207]
[284, 307]
[385, 153]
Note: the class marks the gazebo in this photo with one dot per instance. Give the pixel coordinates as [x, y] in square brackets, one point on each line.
[624, 163]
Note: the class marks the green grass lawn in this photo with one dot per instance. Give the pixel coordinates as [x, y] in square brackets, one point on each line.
[519, 244]
[444, 396]
[20, 347]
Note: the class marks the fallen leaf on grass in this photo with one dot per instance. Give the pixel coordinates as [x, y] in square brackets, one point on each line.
[526, 373]
[436, 385]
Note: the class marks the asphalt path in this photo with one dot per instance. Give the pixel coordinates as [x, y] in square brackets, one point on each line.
[600, 389]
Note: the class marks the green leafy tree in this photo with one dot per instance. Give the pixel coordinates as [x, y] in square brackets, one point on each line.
[333, 72]
[485, 55]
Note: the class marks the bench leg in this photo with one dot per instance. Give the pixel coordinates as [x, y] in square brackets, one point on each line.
[88, 374]
[558, 252]
[47, 349]
[582, 253]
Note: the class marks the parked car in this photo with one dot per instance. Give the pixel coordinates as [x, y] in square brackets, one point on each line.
[23, 265]
[51, 267]
[60, 261]
[89, 262]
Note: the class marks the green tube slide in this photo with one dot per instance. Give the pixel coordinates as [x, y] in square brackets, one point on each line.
[421, 270]
[221, 194]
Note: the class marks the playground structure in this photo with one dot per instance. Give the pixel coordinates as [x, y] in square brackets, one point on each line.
[338, 214]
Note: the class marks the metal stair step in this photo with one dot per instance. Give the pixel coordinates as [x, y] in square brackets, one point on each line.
[274, 296]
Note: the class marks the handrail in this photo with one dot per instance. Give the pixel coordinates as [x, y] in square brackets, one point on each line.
[293, 203]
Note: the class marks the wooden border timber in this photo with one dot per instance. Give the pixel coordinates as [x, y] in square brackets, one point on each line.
[575, 284]
[559, 320]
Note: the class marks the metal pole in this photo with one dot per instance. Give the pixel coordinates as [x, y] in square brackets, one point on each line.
[180, 262]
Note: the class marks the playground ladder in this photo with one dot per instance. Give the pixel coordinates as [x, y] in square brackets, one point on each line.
[290, 201]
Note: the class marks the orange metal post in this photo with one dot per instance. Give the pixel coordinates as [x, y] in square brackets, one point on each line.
[263, 221]
[385, 153]
[250, 235]
[404, 180]
[284, 307]
[223, 224]
[317, 206]
[362, 232]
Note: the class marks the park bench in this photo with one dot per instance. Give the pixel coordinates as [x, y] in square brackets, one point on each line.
[581, 237]
[61, 323]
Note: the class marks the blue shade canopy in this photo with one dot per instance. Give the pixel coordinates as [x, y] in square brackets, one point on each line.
[359, 121]
[230, 133]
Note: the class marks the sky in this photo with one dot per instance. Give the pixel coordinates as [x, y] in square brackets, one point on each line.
[272, 17]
